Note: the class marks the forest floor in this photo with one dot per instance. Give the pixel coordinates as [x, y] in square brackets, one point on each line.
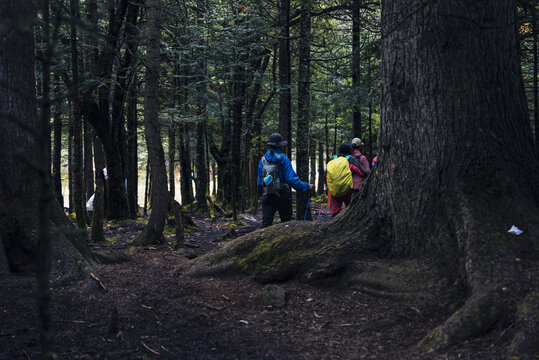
[146, 308]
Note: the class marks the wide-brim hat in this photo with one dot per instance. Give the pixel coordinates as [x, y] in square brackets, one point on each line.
[276, 140]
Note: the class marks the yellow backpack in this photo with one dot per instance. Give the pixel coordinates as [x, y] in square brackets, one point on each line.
[339, 177]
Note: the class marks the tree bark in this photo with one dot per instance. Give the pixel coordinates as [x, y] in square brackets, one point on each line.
[78, 192]
[356, 68]
[88, 160]
[185, 164]
[285, 96]
[109, 130]
[44, 201]
[57, 148]
[171, 168]
[20, 154]
[98, 212]
[303, 211]
[200, 180]
[321, 171]
[153, 232]
[312, 153]
[446, 186]
[535, 24]
[132, 158]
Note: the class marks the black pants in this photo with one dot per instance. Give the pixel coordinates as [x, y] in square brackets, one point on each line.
[281, 202]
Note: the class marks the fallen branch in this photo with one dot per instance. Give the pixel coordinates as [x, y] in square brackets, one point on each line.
[150, 349]
[98, 281]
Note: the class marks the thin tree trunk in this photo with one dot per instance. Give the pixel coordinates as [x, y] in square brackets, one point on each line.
[78, 193]
[70, 158]
[356, 69]
[153, 232]
[370, 111]
[132, 159]
[179, 227]
[46, 76]
[285, 97]
[98, 212]
[57, 148]
[303, 211]
[213, 179]
[171, 168]
[200, 157]
[312, 153]
[321, 171]
[88, 160]
[535, 30]
[147, 189]
[236, 155]
[185, 164]
[200, 180]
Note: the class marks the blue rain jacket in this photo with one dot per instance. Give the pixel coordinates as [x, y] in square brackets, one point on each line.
[286, 173]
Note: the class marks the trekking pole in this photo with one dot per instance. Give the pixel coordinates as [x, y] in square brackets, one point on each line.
[319, 213]
[308, 204]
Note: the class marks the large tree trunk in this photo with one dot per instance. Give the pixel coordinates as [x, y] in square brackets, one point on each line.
[303, 211]
[153, 232]
[20, 154]
[446, 187]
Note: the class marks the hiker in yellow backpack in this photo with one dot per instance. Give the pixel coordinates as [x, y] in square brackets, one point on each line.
[339, 178]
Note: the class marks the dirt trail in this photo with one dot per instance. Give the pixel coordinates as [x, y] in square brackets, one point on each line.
[152, 311]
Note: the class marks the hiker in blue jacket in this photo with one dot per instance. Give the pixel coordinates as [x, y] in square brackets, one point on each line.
[275, 177]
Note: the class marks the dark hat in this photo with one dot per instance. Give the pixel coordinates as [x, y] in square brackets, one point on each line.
[345, 149]
[276, 140]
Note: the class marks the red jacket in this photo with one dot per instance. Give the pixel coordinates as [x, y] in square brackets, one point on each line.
[358, 179]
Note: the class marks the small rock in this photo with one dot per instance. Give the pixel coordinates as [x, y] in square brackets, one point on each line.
[274, 295]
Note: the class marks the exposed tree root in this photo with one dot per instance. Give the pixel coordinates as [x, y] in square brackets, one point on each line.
[273, 254]
[525, 344]
[480, 312]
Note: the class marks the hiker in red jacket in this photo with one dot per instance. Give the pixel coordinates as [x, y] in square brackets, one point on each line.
[363, 163]
[345, 150]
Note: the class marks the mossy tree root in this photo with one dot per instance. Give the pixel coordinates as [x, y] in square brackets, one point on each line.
[302, 250]
[480, 312]
[525, 343]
